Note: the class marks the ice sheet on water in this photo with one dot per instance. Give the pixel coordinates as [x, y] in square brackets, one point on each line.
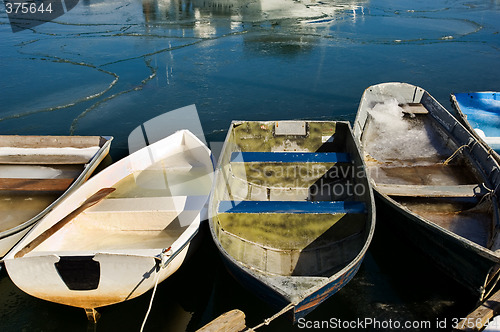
[399, 137]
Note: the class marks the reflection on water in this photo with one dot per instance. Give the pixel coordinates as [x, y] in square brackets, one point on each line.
[248, 11]
[206, 16]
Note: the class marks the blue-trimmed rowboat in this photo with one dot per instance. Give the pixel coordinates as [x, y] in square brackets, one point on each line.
[292, 211]
[479, 112]
[440, 180]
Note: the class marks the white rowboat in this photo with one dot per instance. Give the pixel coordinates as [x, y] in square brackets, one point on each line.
[133, 239]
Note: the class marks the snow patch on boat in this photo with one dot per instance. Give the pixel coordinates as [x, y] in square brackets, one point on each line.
[397, 137]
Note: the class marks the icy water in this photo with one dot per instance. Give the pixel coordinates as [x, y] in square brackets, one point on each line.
[108, 66]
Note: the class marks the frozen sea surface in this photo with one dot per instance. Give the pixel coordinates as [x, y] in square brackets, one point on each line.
[105, 67]
[125, 62]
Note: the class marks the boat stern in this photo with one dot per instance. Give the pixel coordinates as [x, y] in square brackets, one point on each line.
[88, 281]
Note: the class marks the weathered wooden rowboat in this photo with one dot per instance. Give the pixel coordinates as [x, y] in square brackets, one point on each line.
[291, 210]
[37, 172]
[128, 242]
[443, 183]
[479, 112]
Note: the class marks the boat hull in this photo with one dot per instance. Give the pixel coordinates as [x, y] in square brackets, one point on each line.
[9, 241]
[466, 264]
[277, 300]
[315, 299]
[479, 112]
[124, 245]
[118, 277]
[471, 264]
[9, 238]
[294, 280]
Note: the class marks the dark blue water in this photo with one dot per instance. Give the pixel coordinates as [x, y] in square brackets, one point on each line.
[108, 66]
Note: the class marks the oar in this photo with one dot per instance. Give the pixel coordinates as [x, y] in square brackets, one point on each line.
[91, 201]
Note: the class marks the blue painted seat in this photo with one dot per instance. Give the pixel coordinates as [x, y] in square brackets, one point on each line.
[290, 157]
[331, 207]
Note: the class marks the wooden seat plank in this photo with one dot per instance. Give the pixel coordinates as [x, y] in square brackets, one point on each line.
[142, 204]
[44, 160]
[472, 190]
[14, 184]
[414, 108]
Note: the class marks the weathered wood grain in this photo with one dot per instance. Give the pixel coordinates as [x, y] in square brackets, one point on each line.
[231, 321]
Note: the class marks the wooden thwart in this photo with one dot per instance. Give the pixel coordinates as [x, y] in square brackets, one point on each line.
[469, 190]
[483, 314]
[231, 321]
[414, 108]
[44, 160]
[14, 184]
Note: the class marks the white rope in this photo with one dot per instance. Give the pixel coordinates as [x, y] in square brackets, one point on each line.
[493, 286]
[454, 154]
[152, 298]
[270, 319]
[164, 255]
[491, 193]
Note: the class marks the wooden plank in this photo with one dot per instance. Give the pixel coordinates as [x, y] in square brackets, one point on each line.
[481, 316]
[290, 157]
[142, 204]
[20, 141]
[414, 108]
[231, 321]
[472, 190]
[35, 184]
[44, 159]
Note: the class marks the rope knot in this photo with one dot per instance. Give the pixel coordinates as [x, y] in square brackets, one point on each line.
[447, 161]
[267, 321]
[490, 195]
[165, 255]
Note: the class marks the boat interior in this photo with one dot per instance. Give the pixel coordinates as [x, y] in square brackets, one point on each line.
[36, 170]
[149, 209]
[479, 111]
[291, 197]
[412, 159]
